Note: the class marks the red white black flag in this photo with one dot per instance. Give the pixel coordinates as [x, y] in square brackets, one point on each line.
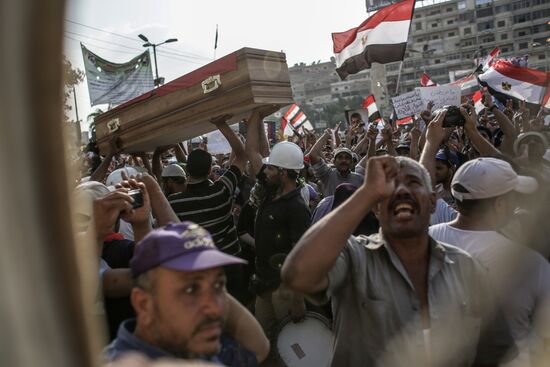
[293, 120]
[478, 104]
[425, 81]
[369, 104]
[506, 80]
[382, 38]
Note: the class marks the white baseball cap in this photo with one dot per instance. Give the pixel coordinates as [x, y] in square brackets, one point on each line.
[173, 170]
[484, 178]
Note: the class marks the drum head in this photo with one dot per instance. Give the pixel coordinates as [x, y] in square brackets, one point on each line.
[307, 343]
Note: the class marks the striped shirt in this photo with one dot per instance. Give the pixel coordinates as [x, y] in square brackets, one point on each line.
[209, 205]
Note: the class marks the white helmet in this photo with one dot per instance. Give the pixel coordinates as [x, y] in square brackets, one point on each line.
[115, 177]
[286, 155]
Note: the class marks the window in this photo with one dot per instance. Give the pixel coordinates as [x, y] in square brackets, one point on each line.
[434, 25]
[541, 14]
[435, 37]
[542, 57]
[483, 26]
[523, 45]
[522, 4]
[502, 8]
[523, 32]
[448, 10]
[522, 18]
[486, 12]
[483, 2]
[418, 26]
[461, 5]
[504, 49]
[420, 39]
[501, 23]
[504, 36]
[437, 61]
[540, 28]
[451, 34]
[468, 17]
[450, 21]
[453, 57]
[467, 31]
[488, 39]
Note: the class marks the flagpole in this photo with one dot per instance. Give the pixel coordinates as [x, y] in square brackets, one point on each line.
[216, 42]
[398, 77]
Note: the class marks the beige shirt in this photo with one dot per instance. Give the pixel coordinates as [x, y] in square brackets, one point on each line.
[377, 315]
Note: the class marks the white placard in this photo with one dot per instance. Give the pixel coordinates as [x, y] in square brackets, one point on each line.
[408, 104]
[442, 95]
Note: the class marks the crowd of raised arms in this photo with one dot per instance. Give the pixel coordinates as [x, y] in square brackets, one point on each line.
[418, 245]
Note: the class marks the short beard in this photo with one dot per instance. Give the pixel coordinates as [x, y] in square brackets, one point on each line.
[174, 345]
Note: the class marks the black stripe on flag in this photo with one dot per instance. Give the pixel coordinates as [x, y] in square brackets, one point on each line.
[381, 54]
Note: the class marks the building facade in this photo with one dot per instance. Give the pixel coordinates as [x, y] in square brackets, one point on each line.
[446, 40]
[448, 37]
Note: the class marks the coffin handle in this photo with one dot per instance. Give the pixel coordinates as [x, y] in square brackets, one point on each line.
[211, 83]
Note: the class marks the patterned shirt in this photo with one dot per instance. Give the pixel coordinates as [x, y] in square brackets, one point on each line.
[209, 205]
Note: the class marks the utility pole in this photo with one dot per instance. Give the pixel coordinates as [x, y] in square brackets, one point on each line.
[78, 131]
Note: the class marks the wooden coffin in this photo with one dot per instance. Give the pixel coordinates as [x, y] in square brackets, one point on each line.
[182, 109]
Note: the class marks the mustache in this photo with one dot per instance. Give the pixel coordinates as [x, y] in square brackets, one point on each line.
[206, 322]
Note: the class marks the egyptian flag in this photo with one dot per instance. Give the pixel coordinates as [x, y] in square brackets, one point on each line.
[478, 105]
[382, 38]
[293, 120]
[506, 80]
[405, 121]
[369, 104]
[488, 61]
[468, 85]
[425, 81]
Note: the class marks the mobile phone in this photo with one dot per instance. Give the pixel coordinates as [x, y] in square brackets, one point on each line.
[137, 195]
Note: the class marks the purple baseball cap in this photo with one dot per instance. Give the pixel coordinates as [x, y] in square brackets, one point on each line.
[182, 246]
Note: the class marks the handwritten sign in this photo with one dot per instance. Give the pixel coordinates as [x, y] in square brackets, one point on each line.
[443, 95]
[408, 104]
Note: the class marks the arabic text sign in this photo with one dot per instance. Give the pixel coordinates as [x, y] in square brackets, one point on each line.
[408, 104]
[443, 95]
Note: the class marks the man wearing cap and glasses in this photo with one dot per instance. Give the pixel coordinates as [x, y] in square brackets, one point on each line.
[331, 177]
[180, 299]
[486, 192]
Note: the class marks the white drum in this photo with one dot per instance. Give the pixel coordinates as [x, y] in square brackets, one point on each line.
[305, 344]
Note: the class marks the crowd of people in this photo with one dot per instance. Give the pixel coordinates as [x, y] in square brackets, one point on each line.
[424, 245]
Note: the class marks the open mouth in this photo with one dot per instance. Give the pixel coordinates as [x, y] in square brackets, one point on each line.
[404, 210]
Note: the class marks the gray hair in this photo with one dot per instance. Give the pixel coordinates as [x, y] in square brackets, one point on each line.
[424, 174]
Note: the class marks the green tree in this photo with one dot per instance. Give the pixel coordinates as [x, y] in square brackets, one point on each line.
[71, 78]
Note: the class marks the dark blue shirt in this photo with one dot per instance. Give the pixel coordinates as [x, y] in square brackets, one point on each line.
[231, 353]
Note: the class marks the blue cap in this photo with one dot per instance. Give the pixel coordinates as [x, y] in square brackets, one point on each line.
[447, 156]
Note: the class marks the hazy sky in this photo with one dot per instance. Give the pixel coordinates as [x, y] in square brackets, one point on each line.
[301, 28]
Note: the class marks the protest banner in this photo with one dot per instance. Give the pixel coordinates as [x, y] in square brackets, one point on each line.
[442, 95]
[408, 104]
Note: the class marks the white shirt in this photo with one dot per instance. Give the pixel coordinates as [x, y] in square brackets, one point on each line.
[520, 276]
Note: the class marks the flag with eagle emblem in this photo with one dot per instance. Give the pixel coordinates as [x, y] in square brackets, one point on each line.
[507, 80]
[382, 38]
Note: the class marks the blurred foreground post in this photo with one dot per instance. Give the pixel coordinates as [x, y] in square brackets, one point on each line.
[42, 310]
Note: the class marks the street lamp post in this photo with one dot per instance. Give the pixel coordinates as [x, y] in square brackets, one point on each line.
[157, 81]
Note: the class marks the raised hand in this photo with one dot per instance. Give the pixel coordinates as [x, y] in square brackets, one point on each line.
[469, 122]
[435, 132]
[380, 177]
[219, 120]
